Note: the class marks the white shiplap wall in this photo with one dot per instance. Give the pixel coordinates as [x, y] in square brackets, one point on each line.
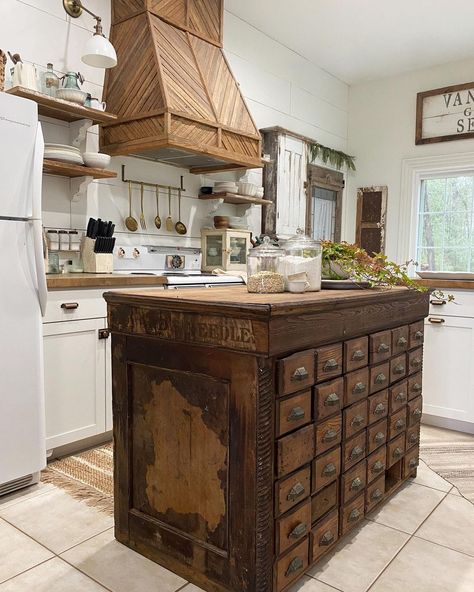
[281, 87]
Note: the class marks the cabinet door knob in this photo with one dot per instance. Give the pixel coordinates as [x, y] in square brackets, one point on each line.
[383, 348]
[402, 341]
[330, 435]
[400, 424]
[416, 413]
[326, 539]
[416, 362]
[400, 369]
[70, 305]
[295, 565]
[419, 335]
[358, 355]
[356, 484]
[295, 492]
[379, 409]
[397, 452]
[377, 494]
[331, 364]
[359, 388]
[354, 515]
[380, 378]
[331, 400]
[300, 374]
[416, 387]
[413, 439]
[296, 414]
[413, 463]
[379, 438]
[356, 452]
[329, 470]
[357, 421]
[401, 397]
[104, 333]
[298, 531]
[378, 466]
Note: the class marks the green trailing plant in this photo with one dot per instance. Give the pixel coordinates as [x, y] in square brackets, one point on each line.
[336, 158]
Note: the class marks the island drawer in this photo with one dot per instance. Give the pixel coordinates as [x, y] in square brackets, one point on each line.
[411, 461]
[376, 463]
[377, 435]
[296, 372]
[324, 535]
[356, 386]
[397, 423]
[292, 490]
[356, 354]
[417, 331]
[328, 362]
[325, 469]
[400, 337]
[378, 406]
[398, 368]
[295, 450]
[328, 399]
[379, 377]
[293, 527]
[395, 450]
[415, 411]
[353, 481]
[412, 436]
[328, 434]
[415, 385]
[352, 514]
[324, 501]
[354, 450]
[415, 360]
[375, 493]
[292, 565]
[293, 412]
[355, 418]
[398, 396]
[380, 346]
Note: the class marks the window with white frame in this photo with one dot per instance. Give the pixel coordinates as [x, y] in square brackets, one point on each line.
[445, 233]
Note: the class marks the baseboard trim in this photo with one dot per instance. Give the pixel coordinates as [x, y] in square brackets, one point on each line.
[448, 424]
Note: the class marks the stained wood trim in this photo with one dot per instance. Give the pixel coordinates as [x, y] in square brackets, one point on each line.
[270, 182]
[163, 86]
[315, 180]
[203, 82]
[147, 115]
[383, 189]
[186, 29]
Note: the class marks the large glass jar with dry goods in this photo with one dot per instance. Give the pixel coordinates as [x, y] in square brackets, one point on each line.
[302, 262]
[263, 269]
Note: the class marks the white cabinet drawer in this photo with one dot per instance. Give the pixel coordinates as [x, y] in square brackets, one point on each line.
[463, 305]
[75, 305]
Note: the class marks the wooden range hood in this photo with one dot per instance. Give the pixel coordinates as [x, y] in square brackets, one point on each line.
[173, 91]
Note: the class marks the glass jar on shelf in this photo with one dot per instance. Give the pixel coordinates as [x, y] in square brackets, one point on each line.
[302, 263]
[49, 82]
[264, 269]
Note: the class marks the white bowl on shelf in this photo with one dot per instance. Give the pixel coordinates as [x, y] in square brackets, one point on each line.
[248, 189]
[73, 95]
[260, 192]
[96, 160]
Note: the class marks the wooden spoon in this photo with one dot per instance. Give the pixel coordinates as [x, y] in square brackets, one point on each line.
[157, 217]
[179, 226]
[130, 221]
[169, 220]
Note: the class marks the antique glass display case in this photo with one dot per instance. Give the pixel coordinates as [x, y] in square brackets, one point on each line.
[225, 249]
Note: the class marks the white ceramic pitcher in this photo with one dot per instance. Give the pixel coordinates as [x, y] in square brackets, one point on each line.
[25, 75]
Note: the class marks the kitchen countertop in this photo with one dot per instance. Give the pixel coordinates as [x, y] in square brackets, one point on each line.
[101, 280]
[444, 284]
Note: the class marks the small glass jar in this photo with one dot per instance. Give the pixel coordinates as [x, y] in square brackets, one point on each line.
[49, 82]
[74, 241]
[263, 269]
[302, 262]
[63, 240]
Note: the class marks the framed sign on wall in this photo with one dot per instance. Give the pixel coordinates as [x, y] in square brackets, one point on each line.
[445, 114]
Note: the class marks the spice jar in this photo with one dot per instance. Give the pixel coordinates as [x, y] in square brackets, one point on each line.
[302, 261]
[263, 269]
[53, 240]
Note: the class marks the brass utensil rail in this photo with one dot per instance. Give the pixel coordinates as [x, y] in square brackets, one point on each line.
[153, 185]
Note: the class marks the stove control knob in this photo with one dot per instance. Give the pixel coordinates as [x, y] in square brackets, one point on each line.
[177, 262]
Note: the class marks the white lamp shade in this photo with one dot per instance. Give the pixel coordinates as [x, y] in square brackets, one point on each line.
[99, 53]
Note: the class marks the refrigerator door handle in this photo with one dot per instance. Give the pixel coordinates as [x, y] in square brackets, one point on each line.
[37, 181]
[39, 264]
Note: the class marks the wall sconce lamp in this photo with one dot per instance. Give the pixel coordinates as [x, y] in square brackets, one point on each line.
[98, 52]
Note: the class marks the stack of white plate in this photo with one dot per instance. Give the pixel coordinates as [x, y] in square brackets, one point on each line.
[63, 152]
[225, 187]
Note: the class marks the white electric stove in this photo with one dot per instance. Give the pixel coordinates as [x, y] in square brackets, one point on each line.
[181, 266]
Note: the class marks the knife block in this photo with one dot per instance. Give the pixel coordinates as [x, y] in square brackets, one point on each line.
[95, 262]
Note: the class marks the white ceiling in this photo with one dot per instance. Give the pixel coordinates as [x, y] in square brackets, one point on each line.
[358, 40]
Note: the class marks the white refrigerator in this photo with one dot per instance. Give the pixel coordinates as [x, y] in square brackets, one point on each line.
[23, 295]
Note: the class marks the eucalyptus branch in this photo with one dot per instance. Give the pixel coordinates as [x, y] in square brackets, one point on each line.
[336, 158]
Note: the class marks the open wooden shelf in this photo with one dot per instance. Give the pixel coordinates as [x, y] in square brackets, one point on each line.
[236, 199]
[65, 169]
[60, 109]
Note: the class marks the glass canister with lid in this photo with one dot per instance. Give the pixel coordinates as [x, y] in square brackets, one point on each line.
[302, 262]
[264, 274]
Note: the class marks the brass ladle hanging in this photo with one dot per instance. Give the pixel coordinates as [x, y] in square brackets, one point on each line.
[157, 217]
[130, 221]
[169, 220]
[179, 226]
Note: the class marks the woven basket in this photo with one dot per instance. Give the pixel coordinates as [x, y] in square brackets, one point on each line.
[3, 61]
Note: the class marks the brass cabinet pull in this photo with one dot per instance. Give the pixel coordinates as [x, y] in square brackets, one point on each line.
[356, 452]
[330, 435]
[436, 321]
[419, 335]
[326, 539]
[416, 413]
[298, 531]
[413, 463]
[437, 302]
[416, 387]
[296, 414]
[416, 362]
[402, 341]
[400, 369]
[379, 438]
[331, 364]
[383, 348]
[377, 494]
[378, 466]
[354, 515]
[413, 438]
[331, 400]
[358, 420]
[295, 565]
[401, 397]
[356, 484]
[400, 424]
[104, 333]
[329, 470]
[358, 355]
[295, 492]
[380, 378]
[379, 409]
[359, 388]
[70, 305]
[300, 374]
[397, 452]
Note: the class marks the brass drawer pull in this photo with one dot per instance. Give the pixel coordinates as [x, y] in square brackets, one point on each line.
[70, 305]
[413, 463]
[416, 362]
[295, 492]
[354, 515]
[331, 400]
[400, 369]
[413, 439]
[419, 335]
[358, 420]
[326, 539]
[378, 466]
[329, 470]
[436, 321]
[401, 397]
[298, 531]
[331, 364]
[296, 414]
[377, 494]
[330, 435]
[416, 387]
[416, 413]
[300, 374]
[379, 438]
[383, 348]
[380, 378]
[358, 355]
[295, 565]
[379, 409]
[356, 484]
[437, 302]
[402, 341]
[359, 388]
[397, 453]
[400, 424]
[356, 452]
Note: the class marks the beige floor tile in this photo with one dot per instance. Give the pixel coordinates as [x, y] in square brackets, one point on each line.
[429, 478]
[360, 558]
[422, 566]
[56, 520]
[24, 494]
[308, 584]
[119, 568]
[18, 552]
[53, 576]
[408, 508]
[455, 491]
[432, 434]
[451, 524]
[193, 588]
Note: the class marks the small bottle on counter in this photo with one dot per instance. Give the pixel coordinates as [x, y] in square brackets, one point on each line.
[67, 267]
[53, 240]
[63, 240]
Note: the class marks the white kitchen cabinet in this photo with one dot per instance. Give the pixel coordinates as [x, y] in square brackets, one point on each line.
[448, 370]
[76, 371]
